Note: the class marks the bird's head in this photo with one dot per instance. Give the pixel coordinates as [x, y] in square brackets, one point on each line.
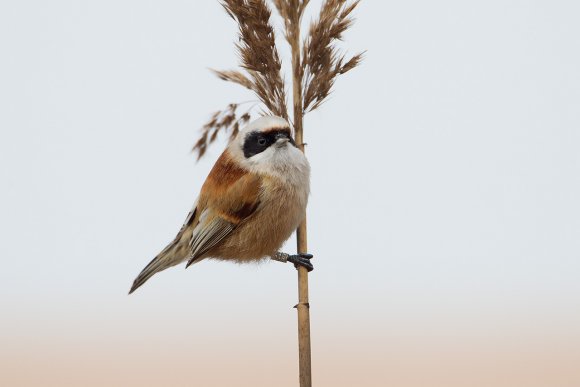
[265, 145]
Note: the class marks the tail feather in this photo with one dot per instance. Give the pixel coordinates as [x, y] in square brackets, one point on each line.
[152, 268]
[175, 253]
[167, 258]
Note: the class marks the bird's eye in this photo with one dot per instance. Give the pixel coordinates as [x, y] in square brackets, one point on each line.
[262, 141]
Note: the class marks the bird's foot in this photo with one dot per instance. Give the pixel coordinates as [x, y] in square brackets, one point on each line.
[297, 259]
[301, 260]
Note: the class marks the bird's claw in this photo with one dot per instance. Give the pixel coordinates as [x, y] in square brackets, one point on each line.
[301, 260]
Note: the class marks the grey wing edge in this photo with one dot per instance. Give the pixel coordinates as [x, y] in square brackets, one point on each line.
[208, 236]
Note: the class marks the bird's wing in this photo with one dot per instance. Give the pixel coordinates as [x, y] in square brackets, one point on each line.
[207, 235]
[225, 201]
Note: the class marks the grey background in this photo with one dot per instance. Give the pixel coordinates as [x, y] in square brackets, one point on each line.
[445, 176]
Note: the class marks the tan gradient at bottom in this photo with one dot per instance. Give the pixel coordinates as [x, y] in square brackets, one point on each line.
[385, 362]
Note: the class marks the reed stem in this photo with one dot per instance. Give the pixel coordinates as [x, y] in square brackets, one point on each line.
[303, 306]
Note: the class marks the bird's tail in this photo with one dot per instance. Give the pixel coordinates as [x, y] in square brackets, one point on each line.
[170, 256]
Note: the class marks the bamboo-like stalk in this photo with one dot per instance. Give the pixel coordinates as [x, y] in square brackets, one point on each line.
[303, 306]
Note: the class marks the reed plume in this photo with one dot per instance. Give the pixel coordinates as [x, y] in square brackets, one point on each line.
[322, 61]
[316, 61]
[221, 120]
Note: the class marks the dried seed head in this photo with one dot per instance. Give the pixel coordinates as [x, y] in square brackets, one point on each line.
[319, 60]
[322, 62]
[258, 54]
[221, 121]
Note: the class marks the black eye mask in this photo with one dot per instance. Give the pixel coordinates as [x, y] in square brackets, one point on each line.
[257, 142]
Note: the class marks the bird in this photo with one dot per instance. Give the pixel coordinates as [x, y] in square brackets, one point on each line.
[252, 200]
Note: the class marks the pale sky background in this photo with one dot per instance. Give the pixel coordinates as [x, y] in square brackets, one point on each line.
[444, 216]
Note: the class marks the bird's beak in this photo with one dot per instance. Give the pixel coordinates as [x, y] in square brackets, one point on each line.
[281, 139]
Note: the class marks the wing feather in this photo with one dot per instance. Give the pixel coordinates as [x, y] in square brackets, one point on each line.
[207, 236]
[229, 196]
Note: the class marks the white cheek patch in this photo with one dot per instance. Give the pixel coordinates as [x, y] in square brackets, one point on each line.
[286, 162]
[264, 158]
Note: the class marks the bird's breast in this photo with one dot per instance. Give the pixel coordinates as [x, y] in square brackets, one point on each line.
[281, 209]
